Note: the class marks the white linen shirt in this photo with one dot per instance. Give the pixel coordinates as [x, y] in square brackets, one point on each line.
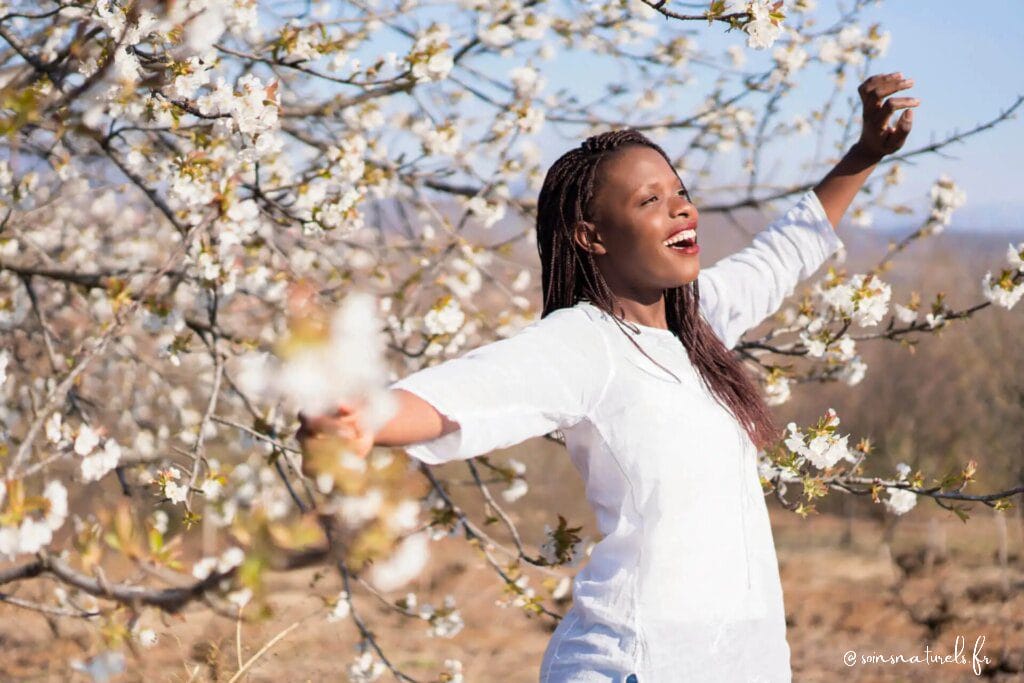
[684, 583]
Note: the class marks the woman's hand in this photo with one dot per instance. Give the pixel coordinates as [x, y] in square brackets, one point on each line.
[346, 424]
[877, 137]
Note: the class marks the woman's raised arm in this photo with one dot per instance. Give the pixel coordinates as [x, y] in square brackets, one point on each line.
[877, 139]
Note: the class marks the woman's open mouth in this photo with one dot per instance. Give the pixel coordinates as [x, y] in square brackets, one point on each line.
[683, 242]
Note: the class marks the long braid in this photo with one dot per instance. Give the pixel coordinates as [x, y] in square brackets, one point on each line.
[569, 273]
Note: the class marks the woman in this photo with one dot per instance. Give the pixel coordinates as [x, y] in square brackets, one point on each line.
[631, 361]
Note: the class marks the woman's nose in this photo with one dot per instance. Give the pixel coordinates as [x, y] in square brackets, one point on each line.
[685, 209]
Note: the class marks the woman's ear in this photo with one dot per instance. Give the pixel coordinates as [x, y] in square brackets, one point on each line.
[587, 238]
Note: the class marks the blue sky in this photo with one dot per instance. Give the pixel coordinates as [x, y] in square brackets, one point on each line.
[966, 65]
[966, 62]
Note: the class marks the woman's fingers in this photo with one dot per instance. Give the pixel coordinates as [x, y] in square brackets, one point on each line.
[897, 135]
[343, 423]
[874, 89]
[894, 103]
[346, 427]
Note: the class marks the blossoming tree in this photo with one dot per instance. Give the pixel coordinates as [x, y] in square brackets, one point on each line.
[188, 189]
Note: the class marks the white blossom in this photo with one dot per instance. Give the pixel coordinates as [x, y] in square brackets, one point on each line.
[349, 363]
[900, 501]
[823, 450]
[146, 637]
[177, 493]
[516, 490]
[904, 314]
[946, 197]
[1015, 256]
[489, 213]
[1002, 291]
[853, 371]
[97, 464]
[762, 31]
[365, 668]
[445, 319]
[777, 390]
[56, 496]
[865, 301]
[86, 440]
[406, 562]
[341, 608]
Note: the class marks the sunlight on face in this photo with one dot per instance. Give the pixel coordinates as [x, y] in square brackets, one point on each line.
[639, 203]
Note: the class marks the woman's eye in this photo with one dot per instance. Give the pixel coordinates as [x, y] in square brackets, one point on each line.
[685, 193]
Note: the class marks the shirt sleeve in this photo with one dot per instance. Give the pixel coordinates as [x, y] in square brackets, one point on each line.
[743, 289]
[547, 376]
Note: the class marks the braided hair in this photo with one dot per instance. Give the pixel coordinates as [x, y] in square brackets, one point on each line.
[570, 274]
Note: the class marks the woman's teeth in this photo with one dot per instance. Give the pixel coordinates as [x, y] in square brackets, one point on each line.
[685, 237]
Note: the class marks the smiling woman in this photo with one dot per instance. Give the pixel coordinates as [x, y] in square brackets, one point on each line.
[684, 583]
[639, 203]
[633, 365]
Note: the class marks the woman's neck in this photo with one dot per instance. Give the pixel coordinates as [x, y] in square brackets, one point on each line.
[651, 314]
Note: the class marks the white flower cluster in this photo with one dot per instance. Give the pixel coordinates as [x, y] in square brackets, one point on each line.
[527, 81]
[146, 637]
[348, 363]
[430, 58]
[253, 110]
[489, 213]
[440, 140]
[864, 298]
[228, 560]
[789, 59]
[341, 608]
[678, 51]
[777, 390]
[31, 524]
[843, 351]
[496, 32]
[851, 45]
[405, 563]
[348, 164]
[192, 75]
[822, 447]
[524, 117]
[901, 501]
[518, 593]
[167, 481]
[453, 671]
[946, 197]
[444, 623]
[1003, 290]
[518, 486]
[728, 123]
[446, 317]
[762, 30]
[366, 668]
[252, 488]
[96, 461]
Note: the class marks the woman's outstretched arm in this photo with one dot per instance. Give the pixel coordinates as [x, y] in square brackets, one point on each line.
[415, 420]
[547, 376]
[877, 139]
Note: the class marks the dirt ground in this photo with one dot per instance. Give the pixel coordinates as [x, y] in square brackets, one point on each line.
[937, 580]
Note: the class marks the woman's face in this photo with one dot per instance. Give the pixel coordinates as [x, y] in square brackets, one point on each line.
[639, 203]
